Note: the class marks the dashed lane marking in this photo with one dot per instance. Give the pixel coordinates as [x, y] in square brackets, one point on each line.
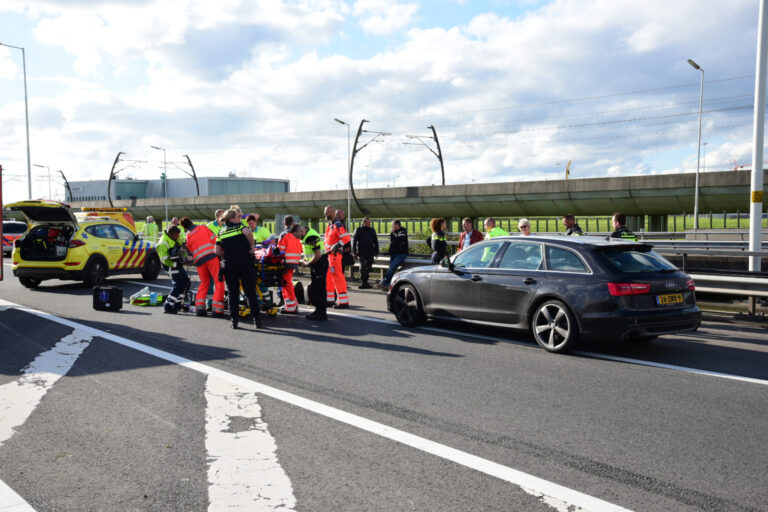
[558, 496]
[243, 471]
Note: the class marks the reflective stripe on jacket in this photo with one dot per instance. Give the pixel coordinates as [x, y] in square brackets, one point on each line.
[201, 242]
[291, 246]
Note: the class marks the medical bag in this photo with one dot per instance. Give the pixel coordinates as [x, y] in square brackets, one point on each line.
[107, 298]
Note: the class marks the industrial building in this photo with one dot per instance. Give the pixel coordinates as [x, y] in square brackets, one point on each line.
[133, 189]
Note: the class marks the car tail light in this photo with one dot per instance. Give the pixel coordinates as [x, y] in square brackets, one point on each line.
[618, 289]
[75, 243]
[691, 285]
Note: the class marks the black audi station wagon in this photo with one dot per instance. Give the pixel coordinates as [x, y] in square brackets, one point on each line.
[560, 288]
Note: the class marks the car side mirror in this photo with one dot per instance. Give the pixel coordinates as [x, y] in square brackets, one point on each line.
[446, 263]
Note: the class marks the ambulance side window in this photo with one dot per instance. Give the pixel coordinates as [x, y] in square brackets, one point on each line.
[100, 231]
[123, 233]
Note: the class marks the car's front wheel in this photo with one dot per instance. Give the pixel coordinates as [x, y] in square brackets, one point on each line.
[407, 306]
[554, 327]
[152, 268]
[95, 272]
[29, 282]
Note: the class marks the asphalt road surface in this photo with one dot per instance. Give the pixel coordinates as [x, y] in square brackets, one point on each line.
[137, 410]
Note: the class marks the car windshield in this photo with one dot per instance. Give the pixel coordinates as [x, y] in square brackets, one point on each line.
[628, 260]
[14, 228]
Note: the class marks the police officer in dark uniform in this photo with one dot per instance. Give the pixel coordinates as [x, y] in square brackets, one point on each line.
[619, 221]
[318, 269]
[234, 245]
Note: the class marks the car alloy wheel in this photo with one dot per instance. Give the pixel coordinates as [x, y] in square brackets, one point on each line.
[96, 272]
[407, 306]
[554, 327]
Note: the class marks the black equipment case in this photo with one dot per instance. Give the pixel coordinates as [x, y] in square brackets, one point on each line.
[107, 298]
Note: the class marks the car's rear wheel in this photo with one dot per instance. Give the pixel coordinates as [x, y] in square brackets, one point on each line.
[554, 327]
[407, 306]
[95, 272]
[151, 268]
[29, 282]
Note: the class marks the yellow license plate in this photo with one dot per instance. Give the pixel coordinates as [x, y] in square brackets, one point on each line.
[672, 298]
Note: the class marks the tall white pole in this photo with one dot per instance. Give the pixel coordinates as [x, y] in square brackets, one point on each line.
[26, 114]
[165, 173]
[698, 151]
[349, 191]
[165, 180]
[756, 195]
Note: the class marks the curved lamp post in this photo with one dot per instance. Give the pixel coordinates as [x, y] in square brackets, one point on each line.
[698, 153]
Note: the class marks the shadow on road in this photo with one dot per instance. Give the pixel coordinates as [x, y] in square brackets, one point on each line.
[20, 344]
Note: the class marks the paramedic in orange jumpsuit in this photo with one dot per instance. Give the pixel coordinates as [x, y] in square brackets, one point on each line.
[201, 243]
[335, 281]
[290, 246]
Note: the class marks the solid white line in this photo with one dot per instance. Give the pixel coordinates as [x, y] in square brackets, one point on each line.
[243, 471]
[529, 483]
[12, 502]
[593, 355]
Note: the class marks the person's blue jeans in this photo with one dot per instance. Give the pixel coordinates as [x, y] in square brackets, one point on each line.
[395, 261]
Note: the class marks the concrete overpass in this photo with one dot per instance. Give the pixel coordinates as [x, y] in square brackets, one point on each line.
[657, 195]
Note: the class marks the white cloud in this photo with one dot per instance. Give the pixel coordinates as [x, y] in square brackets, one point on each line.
[490, 87]
[382, 17]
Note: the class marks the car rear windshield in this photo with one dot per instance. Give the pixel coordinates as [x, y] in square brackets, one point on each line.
[14, 228]
[628, 260]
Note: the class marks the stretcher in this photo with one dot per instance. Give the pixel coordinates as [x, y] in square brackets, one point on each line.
[270, 269]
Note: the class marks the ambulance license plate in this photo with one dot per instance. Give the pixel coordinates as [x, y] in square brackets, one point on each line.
[672, 298]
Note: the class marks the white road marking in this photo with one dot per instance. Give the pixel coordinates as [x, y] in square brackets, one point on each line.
[18, 399]
[546, 491]
[12, 502]
[594, 355]
[243, 471]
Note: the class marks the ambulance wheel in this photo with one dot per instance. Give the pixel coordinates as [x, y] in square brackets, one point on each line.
[29, 282]
[151, 268]
[407, 306]
[95, 272]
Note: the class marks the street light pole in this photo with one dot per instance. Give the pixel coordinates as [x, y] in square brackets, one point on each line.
[26, 114]
[698, 154]
[49, 177]
[349, 163]
[165, 180]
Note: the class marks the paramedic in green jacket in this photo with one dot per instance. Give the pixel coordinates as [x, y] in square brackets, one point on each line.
[169, 251]
[150, 230]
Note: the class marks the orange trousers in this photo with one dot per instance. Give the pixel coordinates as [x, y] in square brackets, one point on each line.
[209, 272]
[335, 282]
[289, 293]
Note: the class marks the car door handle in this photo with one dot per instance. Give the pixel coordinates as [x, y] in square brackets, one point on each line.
[477, 278]
[529, 280]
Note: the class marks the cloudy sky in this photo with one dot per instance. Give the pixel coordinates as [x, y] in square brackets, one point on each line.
[514, 89]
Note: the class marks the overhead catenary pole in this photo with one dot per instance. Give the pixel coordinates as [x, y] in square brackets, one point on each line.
[68, 188]
[756, 189]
